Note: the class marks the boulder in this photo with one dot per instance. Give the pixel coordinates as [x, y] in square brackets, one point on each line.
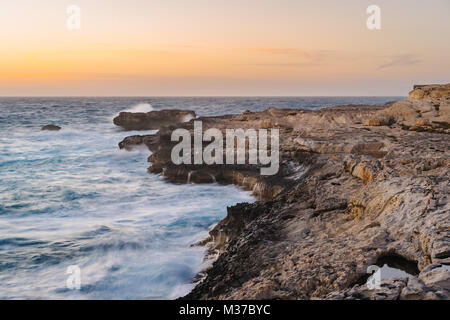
[152, 120]
[51, 127]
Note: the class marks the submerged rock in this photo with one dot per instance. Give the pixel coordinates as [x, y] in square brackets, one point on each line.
[152, 120]
[51, 127]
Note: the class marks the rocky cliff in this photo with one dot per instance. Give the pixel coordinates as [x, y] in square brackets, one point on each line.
[357, 186]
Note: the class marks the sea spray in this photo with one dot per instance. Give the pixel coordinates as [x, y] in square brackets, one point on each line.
[140, 107]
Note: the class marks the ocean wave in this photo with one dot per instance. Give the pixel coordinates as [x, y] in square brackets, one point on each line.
[20, 242]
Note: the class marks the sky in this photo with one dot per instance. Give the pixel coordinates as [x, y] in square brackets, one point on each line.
[222, 48]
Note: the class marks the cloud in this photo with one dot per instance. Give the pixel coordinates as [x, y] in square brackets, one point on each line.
[310, 54]
[295, 57]
[289, 65]
[282, 51]
[401, 61]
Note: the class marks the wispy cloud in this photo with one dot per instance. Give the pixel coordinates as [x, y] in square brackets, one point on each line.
[288, 65]
[401, 61]
[295, 57]
[293, 52]
[282, 51]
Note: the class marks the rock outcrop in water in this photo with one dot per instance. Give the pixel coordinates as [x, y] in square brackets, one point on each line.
[351, 192]
[51, 127]
[152, 120]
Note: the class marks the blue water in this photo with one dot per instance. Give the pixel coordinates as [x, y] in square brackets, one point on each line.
[73, 198]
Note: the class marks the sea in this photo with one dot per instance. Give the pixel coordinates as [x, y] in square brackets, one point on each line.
[82, 219]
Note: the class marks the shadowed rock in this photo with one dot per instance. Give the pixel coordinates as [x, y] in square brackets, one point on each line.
[51, 127]
[152, 120]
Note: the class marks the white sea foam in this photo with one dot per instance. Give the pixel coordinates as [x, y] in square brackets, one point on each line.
[140, 107]
[187, 118]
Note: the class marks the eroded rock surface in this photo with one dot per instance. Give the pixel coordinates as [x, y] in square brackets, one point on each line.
[152, 120]
[347, 195]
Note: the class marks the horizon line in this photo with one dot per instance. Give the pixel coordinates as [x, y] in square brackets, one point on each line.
[206, 96]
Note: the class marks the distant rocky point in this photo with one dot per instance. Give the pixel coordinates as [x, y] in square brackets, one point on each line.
[51, 127]
[152, 120]
[426, 109]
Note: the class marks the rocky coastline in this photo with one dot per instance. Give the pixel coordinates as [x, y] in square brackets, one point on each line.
[357, 186]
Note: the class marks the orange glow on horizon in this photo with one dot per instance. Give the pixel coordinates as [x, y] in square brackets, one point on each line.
[164, 46]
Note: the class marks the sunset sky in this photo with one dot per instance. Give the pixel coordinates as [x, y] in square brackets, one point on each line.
[218, 47]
